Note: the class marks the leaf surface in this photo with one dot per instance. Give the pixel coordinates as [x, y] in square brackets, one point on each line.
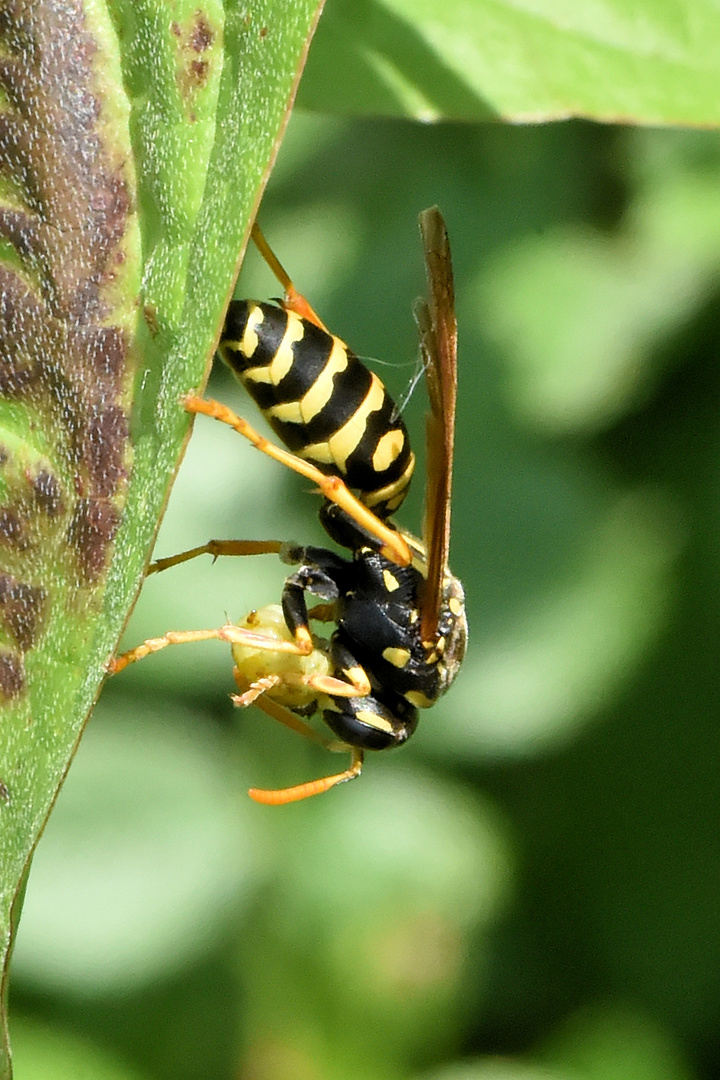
[135, 141]
[649, 62]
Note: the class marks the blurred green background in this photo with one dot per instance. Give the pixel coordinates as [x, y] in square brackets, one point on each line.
[530, 889]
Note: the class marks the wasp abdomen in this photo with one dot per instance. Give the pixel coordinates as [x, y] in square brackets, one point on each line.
[321, 400]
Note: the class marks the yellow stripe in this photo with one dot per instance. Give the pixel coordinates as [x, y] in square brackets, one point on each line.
[340, 446]
[393, 494]
[257, 374]
[288, 413]
[284, 359]
[321, 391]
[373, 720]
[249, 342]
[315, 399]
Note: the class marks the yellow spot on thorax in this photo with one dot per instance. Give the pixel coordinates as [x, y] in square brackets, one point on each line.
[391, 582]
[418, 699]
[396, 656]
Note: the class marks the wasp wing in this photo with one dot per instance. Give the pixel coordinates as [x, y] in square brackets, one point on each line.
[438, 342]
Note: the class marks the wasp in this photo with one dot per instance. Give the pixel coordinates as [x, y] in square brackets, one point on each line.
[398, 615]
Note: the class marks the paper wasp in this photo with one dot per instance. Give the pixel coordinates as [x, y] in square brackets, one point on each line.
[398, 613]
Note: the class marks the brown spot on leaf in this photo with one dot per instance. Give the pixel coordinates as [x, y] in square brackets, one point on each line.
[21, 610]
[46, 490]
[201, 35]
[199, 70]
[92, 530]
[66, 214]
[12, 675]
[12, 529]
[15, 382]
[106, 436]
[100, 353]
[76, 207]
[151, 319]
[4, 792]
[195, 38]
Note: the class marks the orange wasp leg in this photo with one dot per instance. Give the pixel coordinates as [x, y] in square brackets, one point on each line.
[283, 715]
[359, 685]
[217, 548]
[282, 796]
[232, 634]
[332, 487]
[323, 684]
[293, 300]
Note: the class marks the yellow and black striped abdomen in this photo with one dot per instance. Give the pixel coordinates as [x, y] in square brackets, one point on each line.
[320, 400]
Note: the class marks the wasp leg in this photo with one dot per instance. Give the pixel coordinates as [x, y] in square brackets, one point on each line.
[234, 635]
[282, 796]
[293, 300]
[255, 689]
[316, 678]
[284, 716]
[322, 684]
[317, 580]
[332, 487]
[217, 548]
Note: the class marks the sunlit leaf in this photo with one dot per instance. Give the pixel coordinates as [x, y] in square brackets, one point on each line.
[653, 61]
[580, 315]
[134, 145]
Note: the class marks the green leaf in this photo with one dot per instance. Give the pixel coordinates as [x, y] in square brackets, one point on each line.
[43, 1054]
[499, 1069]
[652, 62]
[613, 1042]
[134, 150]
[146, 856]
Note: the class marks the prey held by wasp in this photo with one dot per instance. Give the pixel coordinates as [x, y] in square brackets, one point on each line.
[397, 614]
